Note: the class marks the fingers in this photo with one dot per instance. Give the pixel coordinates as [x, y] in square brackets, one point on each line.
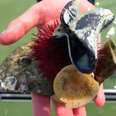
[40, 105]
[37, 15]
[21, 25]
[61, 110]
[79, 111]
[100, 99]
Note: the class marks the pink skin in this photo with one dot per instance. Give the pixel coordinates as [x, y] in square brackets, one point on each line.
[39, 15]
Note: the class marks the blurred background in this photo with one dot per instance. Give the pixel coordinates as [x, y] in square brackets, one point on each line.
[9, 10]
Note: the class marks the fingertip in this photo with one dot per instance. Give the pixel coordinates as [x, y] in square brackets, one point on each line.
[99, 101]
[100, 98]
[4, 40]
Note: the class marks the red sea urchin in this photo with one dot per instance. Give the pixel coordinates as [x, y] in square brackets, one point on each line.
[52, 55]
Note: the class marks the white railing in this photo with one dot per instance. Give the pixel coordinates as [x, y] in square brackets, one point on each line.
[110, 96]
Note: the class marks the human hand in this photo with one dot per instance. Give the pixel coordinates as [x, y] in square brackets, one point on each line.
[39, 15]
[41, 106]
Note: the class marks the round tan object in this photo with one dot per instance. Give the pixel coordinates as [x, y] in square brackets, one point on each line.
[74, 88]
